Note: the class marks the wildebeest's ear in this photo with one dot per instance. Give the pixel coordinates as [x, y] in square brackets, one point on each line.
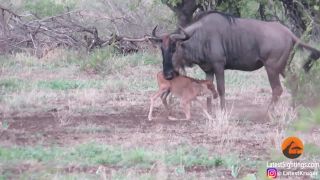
[182, 36]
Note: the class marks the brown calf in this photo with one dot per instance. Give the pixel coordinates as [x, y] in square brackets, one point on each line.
[186, 88]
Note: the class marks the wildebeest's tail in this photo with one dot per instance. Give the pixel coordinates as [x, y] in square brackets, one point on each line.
[315, 53]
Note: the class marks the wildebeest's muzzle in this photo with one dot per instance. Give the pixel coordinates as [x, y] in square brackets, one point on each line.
[168, 70]
[170, 75]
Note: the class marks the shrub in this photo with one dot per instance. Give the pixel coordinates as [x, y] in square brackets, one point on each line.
[304, 86]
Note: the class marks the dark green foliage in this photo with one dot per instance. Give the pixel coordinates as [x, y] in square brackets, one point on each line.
[305, 87]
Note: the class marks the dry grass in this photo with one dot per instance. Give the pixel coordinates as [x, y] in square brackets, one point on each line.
[282, 114]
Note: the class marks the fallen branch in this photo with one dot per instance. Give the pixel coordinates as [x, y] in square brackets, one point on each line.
[60, 30]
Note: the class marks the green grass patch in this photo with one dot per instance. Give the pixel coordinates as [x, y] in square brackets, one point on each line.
[312, 150]
[11, 85]
[98, 154]
[107, 61]
[189, 157]
[17, 60]
[145, 59]
[85, 154]
[45, 8]
[105, 155]
[18, 154]
[61, 84]
[99, 61]
[53, 159]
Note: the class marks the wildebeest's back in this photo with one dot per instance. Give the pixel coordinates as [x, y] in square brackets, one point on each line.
[242, 44]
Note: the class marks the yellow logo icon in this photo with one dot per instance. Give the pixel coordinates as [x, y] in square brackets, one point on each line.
[292, 147]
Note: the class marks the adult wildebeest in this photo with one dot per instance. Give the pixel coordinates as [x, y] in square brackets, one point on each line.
[216, 41]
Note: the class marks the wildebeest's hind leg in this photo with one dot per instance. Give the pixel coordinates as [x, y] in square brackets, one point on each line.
[209, 76]
[219, 72]
[274, 79]
[275, 66]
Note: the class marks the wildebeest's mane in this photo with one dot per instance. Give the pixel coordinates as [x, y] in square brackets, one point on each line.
[199, 16]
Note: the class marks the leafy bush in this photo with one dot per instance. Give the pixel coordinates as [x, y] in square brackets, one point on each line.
[304, 86]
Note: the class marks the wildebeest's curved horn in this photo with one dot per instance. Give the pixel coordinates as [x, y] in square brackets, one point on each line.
[184, 36]
[154, 31]
[154, 36]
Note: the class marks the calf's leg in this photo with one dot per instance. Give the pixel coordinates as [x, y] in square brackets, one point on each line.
[164, 100]
[152, 99]
[185, 104]
[187, 109]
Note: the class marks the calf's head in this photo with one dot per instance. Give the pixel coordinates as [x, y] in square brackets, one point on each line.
[169, 45]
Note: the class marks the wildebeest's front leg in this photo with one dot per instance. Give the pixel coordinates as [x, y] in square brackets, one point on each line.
[219, 72]
[209, 76]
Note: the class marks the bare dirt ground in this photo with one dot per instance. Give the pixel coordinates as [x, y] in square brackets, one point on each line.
[248, 132]
[123, 122]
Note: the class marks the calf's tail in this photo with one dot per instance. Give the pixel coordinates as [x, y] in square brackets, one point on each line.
[315, 53]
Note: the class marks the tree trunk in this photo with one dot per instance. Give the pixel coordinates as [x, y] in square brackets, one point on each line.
[184, 11]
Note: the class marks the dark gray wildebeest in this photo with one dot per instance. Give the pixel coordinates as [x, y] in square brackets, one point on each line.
[216, 41]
